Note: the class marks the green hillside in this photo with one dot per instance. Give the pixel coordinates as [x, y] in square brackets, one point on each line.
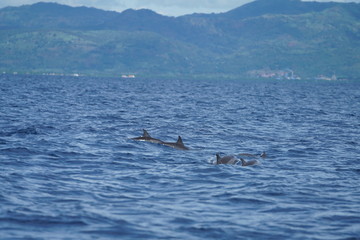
[306, 38]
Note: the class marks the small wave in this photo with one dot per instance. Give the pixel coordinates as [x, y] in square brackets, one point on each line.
[28, 131]
[182, 220]
[279, 209]
[64, 154]
[21, 131]
[250, 201]
[43, 220]
[207, 232]
[7, 134]
[117, 227]
[17, 150]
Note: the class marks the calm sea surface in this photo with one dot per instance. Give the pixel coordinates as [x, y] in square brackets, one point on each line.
[68, 169]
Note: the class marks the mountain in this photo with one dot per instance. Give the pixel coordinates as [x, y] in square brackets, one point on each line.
[275, 7]
[306, 38]
[52, 16]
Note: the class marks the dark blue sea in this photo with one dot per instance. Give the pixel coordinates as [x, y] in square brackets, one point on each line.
[69, 170]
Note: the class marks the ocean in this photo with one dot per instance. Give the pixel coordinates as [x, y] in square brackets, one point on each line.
[70, 170]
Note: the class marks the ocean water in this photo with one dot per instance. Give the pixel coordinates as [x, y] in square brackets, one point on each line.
[69, 169]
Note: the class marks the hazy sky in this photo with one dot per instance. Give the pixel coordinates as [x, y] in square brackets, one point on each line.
[165, 7]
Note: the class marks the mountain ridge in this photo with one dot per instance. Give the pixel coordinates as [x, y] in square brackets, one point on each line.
[313, 39]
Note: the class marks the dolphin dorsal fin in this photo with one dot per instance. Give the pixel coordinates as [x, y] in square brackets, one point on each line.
[218, 158]
[179, 141]
[146, 134]
[243, 162]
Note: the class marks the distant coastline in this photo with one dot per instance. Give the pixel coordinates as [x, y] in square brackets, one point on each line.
[179, 77]
[285, 39]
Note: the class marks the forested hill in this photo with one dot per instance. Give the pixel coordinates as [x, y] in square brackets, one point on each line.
[258, 38]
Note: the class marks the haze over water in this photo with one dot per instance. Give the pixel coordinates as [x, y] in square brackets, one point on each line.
[70, 171]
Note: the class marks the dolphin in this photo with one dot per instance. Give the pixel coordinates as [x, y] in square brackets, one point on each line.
[178, 145]
[248, 163]
[147, 138]
[226, 159]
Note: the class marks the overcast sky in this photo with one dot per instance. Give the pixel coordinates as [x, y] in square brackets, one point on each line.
[165, 7]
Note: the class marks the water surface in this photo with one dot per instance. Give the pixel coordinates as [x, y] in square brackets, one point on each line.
[70, 171]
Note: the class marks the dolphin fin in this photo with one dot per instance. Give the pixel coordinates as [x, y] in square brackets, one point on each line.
[179, 141]
[243, 162]
[146, 134]
[218, 158]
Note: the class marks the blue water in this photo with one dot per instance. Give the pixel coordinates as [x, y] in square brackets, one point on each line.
[69, 170]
